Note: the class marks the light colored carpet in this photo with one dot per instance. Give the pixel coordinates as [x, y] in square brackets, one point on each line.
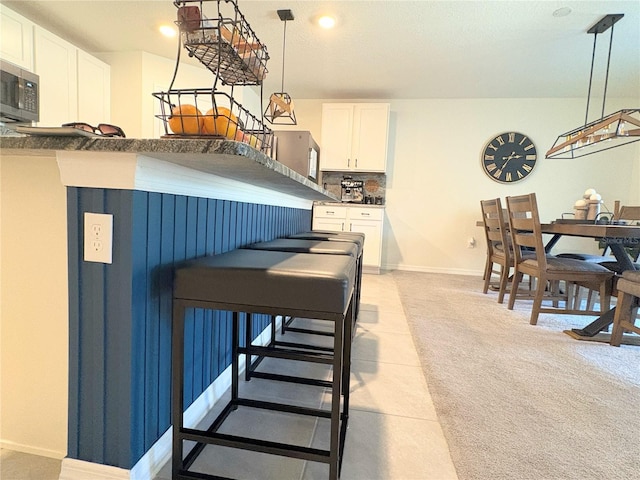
[518, 401]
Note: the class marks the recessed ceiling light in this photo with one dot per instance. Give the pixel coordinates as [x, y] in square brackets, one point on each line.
[326, 21]
[167, 31]
[562, 12]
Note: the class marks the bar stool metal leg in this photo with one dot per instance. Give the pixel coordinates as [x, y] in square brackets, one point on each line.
[177, 389]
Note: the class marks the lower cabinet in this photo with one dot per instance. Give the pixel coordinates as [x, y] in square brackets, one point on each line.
[367, 220]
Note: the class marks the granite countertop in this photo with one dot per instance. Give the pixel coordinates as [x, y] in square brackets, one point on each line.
[224, 158]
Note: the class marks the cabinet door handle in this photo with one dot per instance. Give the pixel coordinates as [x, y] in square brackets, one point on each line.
[342, 227]
[356, 163]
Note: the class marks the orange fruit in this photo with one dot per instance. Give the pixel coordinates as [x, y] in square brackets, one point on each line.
[224, 123]
[185, 120]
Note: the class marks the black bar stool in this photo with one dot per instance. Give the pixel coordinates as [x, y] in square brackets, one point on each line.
[268, 282]
[318, 247]
[353, 237]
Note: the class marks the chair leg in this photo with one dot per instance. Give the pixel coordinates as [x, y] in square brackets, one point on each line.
[537, 301]
[605, 296]
[487, 264]
[624, 312]
[515, 284]
[504, 279]
[570, 292]
[487, 275]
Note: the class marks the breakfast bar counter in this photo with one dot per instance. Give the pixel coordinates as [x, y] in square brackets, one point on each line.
[171, 200]
[227, 159]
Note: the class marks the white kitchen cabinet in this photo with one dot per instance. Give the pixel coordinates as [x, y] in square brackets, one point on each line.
[367, 220]
[355, 137]
[56, 64]
[329, 217]
[94, 90]
[74, 86]
[16, 39]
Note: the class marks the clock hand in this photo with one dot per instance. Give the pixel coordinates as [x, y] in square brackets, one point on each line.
[513, 155]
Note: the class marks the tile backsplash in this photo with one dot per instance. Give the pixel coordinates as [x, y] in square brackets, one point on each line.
[374, 183]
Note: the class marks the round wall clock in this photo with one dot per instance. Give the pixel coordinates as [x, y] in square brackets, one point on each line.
[509, 157]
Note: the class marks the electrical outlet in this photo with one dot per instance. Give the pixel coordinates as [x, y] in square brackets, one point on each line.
[98, 237]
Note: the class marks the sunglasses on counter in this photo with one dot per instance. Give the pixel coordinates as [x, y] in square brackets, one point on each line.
[103, 129]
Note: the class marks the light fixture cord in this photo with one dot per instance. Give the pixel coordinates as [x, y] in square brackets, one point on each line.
[593, 57]
[284, 45]
[606, 78]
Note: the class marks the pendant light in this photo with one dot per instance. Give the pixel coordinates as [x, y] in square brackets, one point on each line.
[612, 131]
[280, 108]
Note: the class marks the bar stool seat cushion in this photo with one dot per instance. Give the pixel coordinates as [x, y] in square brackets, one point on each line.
[358, 239]
[329, 232]
[256, 279]
[307, 246]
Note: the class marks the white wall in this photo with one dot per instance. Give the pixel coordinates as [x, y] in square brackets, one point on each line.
[435, 181]
[34, 307]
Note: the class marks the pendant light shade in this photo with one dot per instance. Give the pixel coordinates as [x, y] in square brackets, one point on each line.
[612, 131]
[280, 108]
[609, 131]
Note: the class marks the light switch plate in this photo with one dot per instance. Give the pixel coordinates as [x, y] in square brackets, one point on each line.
[98, 237]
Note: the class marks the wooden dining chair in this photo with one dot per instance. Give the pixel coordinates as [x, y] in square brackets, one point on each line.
[549, 271]
[498, 251]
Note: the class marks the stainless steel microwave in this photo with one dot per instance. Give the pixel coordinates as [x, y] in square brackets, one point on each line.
[19, 94]
[298, 151]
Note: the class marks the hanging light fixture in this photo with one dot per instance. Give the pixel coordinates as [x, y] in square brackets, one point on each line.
[280, 108]
[612, 131]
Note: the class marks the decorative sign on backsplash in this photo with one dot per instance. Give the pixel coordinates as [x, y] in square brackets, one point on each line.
[374, 185]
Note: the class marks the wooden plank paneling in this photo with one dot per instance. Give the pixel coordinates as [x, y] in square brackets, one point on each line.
[120, 314]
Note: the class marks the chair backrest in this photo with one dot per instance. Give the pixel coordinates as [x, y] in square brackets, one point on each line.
[495, 228]
[629, 212]
[525, 229]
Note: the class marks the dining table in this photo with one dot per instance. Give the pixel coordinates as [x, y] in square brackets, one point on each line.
[616, 237]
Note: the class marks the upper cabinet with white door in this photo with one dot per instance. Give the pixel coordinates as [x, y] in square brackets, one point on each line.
[16, 39]
[56, 63]
[355, 137]
[74, 86]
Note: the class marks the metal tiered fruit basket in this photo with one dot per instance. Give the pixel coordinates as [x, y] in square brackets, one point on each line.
[218, 35]
[205, 113]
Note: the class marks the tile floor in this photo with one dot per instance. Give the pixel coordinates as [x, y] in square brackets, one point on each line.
[393, 431]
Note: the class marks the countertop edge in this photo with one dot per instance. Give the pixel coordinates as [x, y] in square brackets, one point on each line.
[229, 159]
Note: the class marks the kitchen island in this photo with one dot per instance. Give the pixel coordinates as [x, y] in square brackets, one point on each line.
[171, 200]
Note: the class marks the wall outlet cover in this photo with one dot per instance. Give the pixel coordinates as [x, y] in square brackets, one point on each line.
[98, 237]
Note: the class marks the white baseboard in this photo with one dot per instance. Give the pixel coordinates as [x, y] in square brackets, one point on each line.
[73, 469]
[414, 268]
[42, 452]
[160, 452]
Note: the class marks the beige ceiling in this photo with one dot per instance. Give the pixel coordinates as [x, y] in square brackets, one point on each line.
[394, 49]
